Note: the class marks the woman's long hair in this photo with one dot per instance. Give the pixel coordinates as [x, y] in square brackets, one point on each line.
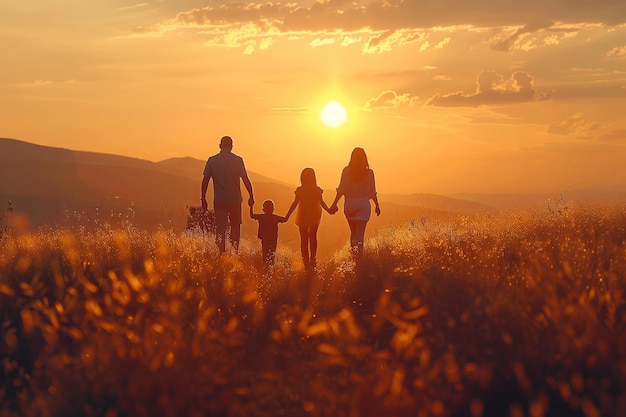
[307, 178]
[358, 165]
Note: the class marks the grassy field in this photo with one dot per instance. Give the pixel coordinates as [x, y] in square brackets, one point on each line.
[514, 314]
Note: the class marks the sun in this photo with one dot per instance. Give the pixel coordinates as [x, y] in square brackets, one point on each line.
[334, 115]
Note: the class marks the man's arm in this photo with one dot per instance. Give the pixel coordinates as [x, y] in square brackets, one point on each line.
[248, 184]
[205, 185]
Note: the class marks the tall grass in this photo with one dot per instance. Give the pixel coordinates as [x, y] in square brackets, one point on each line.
[519, 313]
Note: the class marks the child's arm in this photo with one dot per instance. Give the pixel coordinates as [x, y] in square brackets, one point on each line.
[333, 207]
[324, 206]
[292, 208]
[252, 215]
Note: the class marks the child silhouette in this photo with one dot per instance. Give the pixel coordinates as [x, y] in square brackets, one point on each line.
[268, 230]
[310, 203]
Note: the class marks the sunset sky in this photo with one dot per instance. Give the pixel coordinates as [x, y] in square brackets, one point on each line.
[445, 96]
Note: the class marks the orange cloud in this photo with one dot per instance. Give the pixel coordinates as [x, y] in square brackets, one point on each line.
[393, 23]
[509, 43]
[406, 14]
[493, 89]
[575, 126]
[385, 42]
[288, 110]
[614, 136]
[390, 100]
[45, 83]
[619, 51]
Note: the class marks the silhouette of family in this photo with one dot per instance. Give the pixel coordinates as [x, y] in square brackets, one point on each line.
[227, 170]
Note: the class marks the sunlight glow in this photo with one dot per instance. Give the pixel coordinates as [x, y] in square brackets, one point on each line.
[334, 115]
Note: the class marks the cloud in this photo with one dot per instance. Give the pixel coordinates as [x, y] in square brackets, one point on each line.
[348, 40]
[443, 42]
[575, 126]
[322, 42]
[46, 83]
[508, 43]
[384, 24]
[536, 34]
[589, 131]
[493, 89]
[381, 15]
[390, 100]
[290, 110]
[37, 83]
[617, 52]
[618, 135]
[385, 42]
[132, 6]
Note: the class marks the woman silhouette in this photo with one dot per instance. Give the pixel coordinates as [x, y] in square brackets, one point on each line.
[358, 186]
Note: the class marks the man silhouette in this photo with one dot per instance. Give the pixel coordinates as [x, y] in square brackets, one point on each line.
[226, 169]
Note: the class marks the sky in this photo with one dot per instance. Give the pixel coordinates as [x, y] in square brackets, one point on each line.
[445, 96]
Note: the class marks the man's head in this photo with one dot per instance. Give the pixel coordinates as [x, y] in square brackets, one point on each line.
[268, 206]
[226, 143]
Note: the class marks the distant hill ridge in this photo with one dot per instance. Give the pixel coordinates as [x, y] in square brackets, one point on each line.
[193, 168]
[31, 170]
[56, 186]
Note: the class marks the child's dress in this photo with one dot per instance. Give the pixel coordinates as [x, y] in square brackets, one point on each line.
[309, 209]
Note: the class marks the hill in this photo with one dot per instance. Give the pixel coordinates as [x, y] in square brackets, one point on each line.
[437, 202]
[192, 168]
[55, 186]
[578, 196]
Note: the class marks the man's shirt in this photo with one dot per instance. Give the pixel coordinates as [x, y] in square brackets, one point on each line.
[226, 169]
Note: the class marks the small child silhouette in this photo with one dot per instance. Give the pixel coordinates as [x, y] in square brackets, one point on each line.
[268, 230]
[310, 203]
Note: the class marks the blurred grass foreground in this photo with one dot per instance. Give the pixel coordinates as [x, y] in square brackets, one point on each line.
[515, 314]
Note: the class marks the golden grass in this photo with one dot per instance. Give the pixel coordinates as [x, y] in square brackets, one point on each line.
[520, 313]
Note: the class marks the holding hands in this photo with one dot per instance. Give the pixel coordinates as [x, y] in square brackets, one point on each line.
[333, 208]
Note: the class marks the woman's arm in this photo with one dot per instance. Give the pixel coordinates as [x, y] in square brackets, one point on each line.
[377, 209]
[340, 191]
[375, 195]
[333, 207]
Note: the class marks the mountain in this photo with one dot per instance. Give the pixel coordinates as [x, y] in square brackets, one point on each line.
[193, 168]
[569, 197]
[57, 187]
[437, 202]
[54, 185]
